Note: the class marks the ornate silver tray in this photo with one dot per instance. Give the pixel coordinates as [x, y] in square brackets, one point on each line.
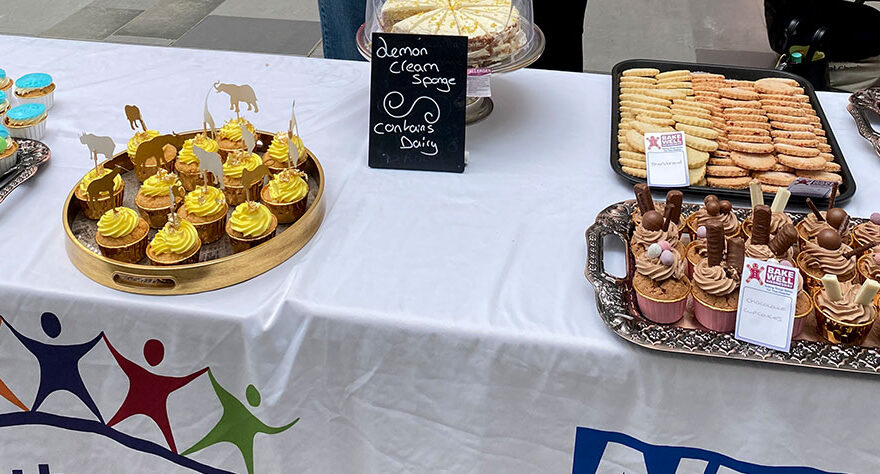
[615, 300]
[860, 104]
[31, 155]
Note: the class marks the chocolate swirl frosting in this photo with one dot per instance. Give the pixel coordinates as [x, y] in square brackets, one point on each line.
[777, 221]
[829, 261]
[846, 310]
[646, 237]
[867, 232]
[654, 269]
[714, 280]
[659, 206]
[729, 220]
[764, 252]
[870, 267]
[812, 226]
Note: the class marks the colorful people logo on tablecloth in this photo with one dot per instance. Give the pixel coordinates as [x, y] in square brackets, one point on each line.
[147, 395]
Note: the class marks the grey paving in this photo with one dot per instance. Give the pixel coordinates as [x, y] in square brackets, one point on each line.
[306, 10]
[138, 40]
[32, 17]
[169, 19]
[253, 34]
[130, 4]
[92, 22]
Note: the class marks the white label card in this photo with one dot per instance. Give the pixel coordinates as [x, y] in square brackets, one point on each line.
[767, 301]
[479, 82]
[666, 157]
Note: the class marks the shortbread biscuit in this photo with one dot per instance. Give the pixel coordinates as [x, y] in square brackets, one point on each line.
[799, 163]
[733, 130]
[793, 135]
[636, 140]
[794, 150]
[641, 72]
[775, 178]
[821, 175]
[700, 144]
[824, 148]
[800, 143]
[827, 156]
[787, 118]
[738, 93]
[632, 155]
[665, 93]
[696, 131]
[624, 162]
[743, 111]
[832, 167]
[795, 127]
[676, 73]
[721, 162]
[781, 167]
[638, 173]
[645, 99]
[729, 183]
[750, 147]
[747, 104]
[662, 121]
[676, 85]
[697, 175]
[643, 128]
[753, 161]
[782, 110]
[774, 86]
[695, 121]
[726, 171]
[749, 138]
[696, 158]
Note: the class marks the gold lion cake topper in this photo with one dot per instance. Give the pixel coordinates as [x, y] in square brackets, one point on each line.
[238, 94]
[250, 178]
[98, 145]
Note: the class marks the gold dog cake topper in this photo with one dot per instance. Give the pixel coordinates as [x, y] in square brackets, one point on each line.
[238, 94]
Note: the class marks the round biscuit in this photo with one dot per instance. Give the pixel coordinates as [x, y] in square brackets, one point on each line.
[741, 182]
[635, 140]
[695, 121]
[801, 143]
[738, 93]
[644, 127]
[696, 158]
[793, 135]
[749, 138]
[790, 99]
[788, 119]
[674, 73]
[656, 120]
[794, 150]
[774, 86]
[741, 104]
[832, 167]
[623, 145]
[775, 178]
[644, 105]
[720, 154]
[726, 171]
[721, 162]
[700, 144]
[665, 93]
[637, 172]
[632, 163]
[641, 72]
[739, 83]
[782, 110]
[781, 167]
[827, 156]
[696, 131]
[645, 99]
[732, 130]
[706, 76]
[744, 111]
[675, 85]
[697, 175]
[636, 85]
[632, 155]
[799, 163]
[821, 175]
[823, 148]
[795, 127]
[750, 147]
[753, 161]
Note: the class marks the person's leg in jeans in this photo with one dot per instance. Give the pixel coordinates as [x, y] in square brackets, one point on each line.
[563, 26]
[340, 20]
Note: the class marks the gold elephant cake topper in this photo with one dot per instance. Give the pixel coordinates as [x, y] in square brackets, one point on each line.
[209, 164]
[238, 94]
[98, 145]
[133, 114]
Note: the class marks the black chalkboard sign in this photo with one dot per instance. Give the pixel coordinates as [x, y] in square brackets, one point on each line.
[418, 96]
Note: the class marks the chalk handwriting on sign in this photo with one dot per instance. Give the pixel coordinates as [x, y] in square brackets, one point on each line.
[417, 102]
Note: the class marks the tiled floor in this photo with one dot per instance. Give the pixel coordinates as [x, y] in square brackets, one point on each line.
[703, 30]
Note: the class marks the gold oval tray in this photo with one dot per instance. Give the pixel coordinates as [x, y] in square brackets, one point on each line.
[206, 275]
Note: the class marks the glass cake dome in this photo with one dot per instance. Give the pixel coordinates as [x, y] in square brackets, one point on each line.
[497, 30]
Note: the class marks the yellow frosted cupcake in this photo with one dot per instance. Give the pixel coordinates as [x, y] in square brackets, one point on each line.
[286, 195]
[229, 137]
[277, 158]
[187, 164]
[99, 191]
[250, 225]
[176, 244]
[235, 165]
[122, 235]
[154, 201]
[205, 207]
[149, 166]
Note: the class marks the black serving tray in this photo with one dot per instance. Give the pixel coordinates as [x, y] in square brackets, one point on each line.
[847, 189]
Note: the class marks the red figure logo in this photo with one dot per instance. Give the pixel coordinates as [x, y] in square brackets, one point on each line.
[754, 273]
[652, 143]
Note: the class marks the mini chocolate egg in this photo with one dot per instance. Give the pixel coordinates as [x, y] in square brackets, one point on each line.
[667, 258]
[652, 220]
[877, 258]
[829, 239]
[665, 245]
[875, 218]
[786, 263]
[701, 232]
[654, 250]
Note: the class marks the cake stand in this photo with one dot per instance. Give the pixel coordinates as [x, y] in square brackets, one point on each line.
[479, 108]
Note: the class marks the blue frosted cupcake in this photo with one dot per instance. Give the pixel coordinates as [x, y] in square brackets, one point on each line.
[4, 104]
[8, 151]
[5, 82]
[26, 121]
[35, 88]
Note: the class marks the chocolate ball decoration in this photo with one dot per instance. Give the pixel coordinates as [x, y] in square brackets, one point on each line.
[713, 208]
[726, 207]
[652, 220]
[835, 217]
[829, 239]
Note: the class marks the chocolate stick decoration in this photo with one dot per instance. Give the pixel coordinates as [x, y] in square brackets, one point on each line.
[833, 196]
[674, 200]
[815, 210]
[736, 254]
[861, 248]
[785, 238]
[761, 226]
[643, 197]
[714, 243]
[667, 217]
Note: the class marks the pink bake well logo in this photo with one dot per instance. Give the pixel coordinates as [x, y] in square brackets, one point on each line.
[781, 276]
[671, 139]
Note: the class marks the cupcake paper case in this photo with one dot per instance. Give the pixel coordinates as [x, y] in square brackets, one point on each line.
[35, 88]
[4, 104]
[5, 82]
[8, 151]
[26, 121]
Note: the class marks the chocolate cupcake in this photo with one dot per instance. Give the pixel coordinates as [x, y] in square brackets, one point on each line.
[715, 284]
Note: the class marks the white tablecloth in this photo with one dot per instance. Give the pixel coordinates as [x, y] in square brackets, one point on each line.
[436, 322]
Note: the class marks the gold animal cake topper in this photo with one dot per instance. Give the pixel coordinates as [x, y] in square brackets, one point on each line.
[98, 145]
[209, 120]
[250, 178]
[175, 193]
[133, 114]
[292, 128]
[155, 148]
[250, 141]
[238, 94]
[104, 184]
[209, 164]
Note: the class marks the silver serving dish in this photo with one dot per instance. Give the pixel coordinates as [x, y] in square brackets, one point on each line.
[615, 299]
[31, 155]
[860, 104]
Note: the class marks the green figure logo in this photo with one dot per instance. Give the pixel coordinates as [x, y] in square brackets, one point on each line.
[237, 425]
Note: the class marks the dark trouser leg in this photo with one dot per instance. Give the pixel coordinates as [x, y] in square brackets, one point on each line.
[340, 20]
[563, 25]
